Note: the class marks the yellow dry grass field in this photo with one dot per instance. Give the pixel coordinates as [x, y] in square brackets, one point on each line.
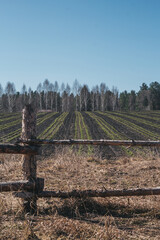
[89, 218]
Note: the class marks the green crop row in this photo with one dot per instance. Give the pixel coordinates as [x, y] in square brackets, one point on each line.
[10, 136]
[53, 128]
[109, 130]
[6, 115]
[45, 118]
[10, 124]
[138, 120]
[80, 124]
[9, 118]
[145, 115]
[81, 130]
[78, 129]
[16, 133]
[136, 128]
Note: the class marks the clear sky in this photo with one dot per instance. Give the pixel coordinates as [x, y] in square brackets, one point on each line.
[93, 41]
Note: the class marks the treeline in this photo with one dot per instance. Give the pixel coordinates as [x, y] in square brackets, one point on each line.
[51, 96]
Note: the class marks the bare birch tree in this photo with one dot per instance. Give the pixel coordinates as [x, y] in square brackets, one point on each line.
[97, 97]
[68, 89]
[102, 92]
[46, 89]
[10, 91]
[39, 90]
[114, 98]
[51, 90]
[56, 87]
[29, 95]
[84, 94]
[80, 97]
[75, 91]
[93, 96]
[63, 96]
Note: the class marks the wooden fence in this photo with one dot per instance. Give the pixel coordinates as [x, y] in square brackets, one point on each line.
[31, 188]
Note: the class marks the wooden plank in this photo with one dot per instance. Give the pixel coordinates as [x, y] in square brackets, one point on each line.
[23, 185]
[104, 142]
[16, 186]
[93, 193]
[18, 149]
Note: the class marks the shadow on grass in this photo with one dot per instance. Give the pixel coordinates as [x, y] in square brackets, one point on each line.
[82, 208]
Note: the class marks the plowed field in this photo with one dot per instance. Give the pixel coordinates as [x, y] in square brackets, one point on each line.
[88, 125]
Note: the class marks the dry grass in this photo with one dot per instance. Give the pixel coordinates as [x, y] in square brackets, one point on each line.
[97, 218]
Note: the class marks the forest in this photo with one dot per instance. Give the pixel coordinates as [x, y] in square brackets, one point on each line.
[65, 98]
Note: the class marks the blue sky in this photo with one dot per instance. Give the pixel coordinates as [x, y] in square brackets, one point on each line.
[93, 41]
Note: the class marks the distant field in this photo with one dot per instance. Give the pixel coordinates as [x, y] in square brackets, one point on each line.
[87, 125]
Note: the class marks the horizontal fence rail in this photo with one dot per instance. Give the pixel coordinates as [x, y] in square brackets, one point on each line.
[25, 185]
[17, 186]
[32, 148]
[92, 193]
[104, 142]
[18, 149]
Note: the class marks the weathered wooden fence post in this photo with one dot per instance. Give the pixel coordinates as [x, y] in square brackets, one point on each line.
[29, 161]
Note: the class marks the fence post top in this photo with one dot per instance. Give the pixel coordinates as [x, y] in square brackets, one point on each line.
[30, 108]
